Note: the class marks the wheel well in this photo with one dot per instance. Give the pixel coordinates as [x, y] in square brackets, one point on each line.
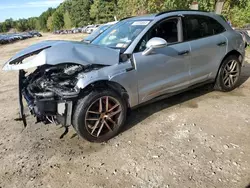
[233, 52]
[236, 53]
[104, 84]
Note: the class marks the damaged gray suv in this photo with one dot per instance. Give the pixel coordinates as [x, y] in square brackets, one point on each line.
[92, 85]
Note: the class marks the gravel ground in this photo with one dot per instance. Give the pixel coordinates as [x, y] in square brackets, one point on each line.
[196, 139]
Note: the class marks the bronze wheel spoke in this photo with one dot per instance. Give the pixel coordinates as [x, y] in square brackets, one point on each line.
[110, 110]
[95, 126]
[107, 125]
[112, 121]
[114, 113]
[107, 104]
[102, 116]
[100, 129]
[92, 119]
[92, 112]
[100, 105]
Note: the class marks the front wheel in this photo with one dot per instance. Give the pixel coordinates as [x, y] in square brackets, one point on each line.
[99, 115]
[229, 74]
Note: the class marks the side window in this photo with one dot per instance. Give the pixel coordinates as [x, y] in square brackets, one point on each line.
[216, 26]
[167, 30]
[196, 27]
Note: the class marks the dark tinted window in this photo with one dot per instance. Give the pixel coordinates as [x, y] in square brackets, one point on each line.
[167, 30]
[196, 27]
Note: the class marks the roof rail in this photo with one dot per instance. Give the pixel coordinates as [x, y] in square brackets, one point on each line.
[169, 11]
[126, 18]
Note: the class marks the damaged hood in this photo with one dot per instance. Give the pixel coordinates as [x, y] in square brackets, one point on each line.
[57, 52]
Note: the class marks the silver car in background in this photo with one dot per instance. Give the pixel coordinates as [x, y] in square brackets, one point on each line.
[98, 31]
[140, 59]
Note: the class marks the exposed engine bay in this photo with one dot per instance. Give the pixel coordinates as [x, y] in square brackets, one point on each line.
[50, 91]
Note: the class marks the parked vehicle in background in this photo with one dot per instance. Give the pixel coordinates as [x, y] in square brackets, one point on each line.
[98, 31]
[9, 38]
[84, 30]
[35, 34]
[91, 29]
[138, 60]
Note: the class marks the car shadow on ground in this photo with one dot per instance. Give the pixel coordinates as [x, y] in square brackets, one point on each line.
[143, 112]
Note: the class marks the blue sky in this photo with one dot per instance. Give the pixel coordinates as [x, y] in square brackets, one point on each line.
[24, 8]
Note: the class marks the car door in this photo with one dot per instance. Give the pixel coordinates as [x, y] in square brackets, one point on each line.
[166, 69]
[208, 46]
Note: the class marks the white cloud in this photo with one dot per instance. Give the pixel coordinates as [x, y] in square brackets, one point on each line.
[32, 4]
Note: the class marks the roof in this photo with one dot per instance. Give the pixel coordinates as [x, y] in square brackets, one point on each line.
[173, 11]
[144, 17]
[153, 16]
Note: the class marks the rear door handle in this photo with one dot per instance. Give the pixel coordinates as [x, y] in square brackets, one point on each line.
[184, 52]
[222, 43]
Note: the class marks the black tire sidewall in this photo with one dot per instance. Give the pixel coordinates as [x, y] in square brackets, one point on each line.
[82, 107]
[219, 80]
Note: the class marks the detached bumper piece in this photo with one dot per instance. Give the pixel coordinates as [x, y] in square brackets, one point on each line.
[20, 97]
[50, 110]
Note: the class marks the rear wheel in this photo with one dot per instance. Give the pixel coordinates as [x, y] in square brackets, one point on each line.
[99, 115]
[229, 74]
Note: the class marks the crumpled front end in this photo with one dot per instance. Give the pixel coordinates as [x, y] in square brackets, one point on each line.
[51, 91]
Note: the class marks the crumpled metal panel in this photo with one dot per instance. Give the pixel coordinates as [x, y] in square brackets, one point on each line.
[57, 52]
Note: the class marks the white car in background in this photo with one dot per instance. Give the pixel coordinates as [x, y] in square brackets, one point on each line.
[91, 29]
[98, 31]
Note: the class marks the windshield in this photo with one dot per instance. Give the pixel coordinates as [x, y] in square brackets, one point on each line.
[97, 32]
[121, 35]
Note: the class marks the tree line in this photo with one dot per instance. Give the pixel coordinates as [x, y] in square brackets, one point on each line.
[78, 13]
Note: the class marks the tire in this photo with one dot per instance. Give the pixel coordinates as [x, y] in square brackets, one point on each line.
[222, 83]
[82, 121]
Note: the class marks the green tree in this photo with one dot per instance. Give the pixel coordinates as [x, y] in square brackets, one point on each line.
[67, 20]
[22, 25]
[80, 12]
[50, 24]
[102, 11]
[94, 10]
[57, 20]
[43, 19]
[32, 23]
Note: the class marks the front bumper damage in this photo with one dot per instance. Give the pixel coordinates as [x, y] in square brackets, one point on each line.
[47, 109]
[54, 87]
[51, 92]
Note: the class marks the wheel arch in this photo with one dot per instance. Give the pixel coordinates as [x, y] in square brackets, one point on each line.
[104, 84]
[233, 52]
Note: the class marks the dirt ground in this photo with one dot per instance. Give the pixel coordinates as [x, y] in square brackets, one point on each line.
[200, 138]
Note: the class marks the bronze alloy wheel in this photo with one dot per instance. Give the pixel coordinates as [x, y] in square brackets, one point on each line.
[102, 116]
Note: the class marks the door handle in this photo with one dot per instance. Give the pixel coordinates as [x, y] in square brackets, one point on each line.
[184, 52]
[222, 44]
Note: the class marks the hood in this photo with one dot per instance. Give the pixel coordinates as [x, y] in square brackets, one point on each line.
[57, 52]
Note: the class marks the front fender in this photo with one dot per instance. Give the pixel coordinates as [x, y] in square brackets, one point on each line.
[117, 74]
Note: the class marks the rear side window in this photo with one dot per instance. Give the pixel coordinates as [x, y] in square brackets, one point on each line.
[196, 27]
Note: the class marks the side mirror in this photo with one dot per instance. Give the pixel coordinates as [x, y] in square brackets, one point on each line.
[154, 43]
